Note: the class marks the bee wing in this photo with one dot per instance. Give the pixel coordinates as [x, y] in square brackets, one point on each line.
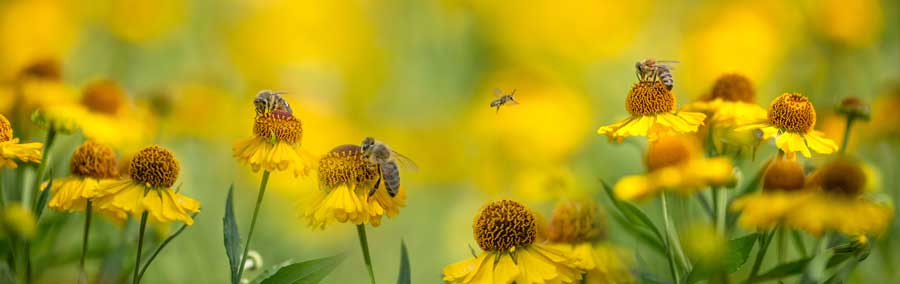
[405, 161]
[497, 92]
[668, 61]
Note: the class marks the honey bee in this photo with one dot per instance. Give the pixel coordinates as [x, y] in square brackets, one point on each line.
[267, 101]
[387, 161]
[503, 99]
[652, 70]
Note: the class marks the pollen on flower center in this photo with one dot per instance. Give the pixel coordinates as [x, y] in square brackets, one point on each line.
[96, 160]
[104, 96]
[733, 88]
[668, 151]
[783, 174]
[6, 132]
[345, 165]
[792, 112]
[575, 221]
[647, 98]
[155, 166]
[842, 176]
[280, 124]
[504, 224]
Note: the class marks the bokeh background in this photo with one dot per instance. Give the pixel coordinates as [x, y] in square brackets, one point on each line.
[419, 75]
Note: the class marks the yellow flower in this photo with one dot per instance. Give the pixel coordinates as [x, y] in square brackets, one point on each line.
[93, 166]
[783, 193]
[730, 104]
[12, 152]
[153, 172]
[18, 221]
[506, 230]
[675, 163]
[652, 109]
[704, 246]
[345, 179]
[51, 32]
[840, 203]
[790, 121]
[275, 145]
[578, 229]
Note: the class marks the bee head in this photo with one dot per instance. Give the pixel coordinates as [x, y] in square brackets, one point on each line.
[367, 144]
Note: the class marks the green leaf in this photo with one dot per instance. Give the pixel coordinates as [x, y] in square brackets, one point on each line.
[307, 272]
[232, 236]
[42, 200]
[635, 216]
[795, 268]
[737, 254]
[404, 277]
[643, 235]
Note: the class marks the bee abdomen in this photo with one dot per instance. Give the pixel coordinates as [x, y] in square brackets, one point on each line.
[391, 175]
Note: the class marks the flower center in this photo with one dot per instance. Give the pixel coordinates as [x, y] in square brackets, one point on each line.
[783, 174]
[792, 112]
[47, 69]
[842, 176]
[669, 151]
[6, 132]
[504, 224]
[154, 166]
[104, 96]
[345, 165]
[647, 98]
[575, 222]
[733, 88]
[95, 160]
[280, 124]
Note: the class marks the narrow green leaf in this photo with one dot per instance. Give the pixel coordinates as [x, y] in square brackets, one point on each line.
[404, 277]
[307, 272]
[162, 246]
[232, 236]
[42, 200]
[737, 254]
[795, 268]
[631, 212]
[643, 235]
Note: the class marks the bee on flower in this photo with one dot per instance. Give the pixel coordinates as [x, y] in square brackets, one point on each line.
[275, 145]
[676, 163]
[790, 121]
[12, 152]
[578, 228]
[506, 231]
[652, 107]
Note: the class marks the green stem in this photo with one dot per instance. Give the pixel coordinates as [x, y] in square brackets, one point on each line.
[42, 166]
[137, 262]
[364, 243]
[782, 244]
[722, 211]
[815, 270]
[846, 140]
[765, 240]
[670, 251]
[259, 199]
[84, 242]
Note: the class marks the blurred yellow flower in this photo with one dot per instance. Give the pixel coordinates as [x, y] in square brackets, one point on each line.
[275, 145]
[578, 229]
[12, 152]
[93, 166]
[790, 121]
[652, 108]
[33, 31]
[17, 221]
[346, 178]
[153, 172]
[509, 252]
[885, 122]
[675, 163]
[730, 103]
[853, 23]
[142, 21]
[705, 246]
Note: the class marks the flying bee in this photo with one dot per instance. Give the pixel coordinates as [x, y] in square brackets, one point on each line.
[503, 99]
[652, 70]
[387, 161]
[267, 101]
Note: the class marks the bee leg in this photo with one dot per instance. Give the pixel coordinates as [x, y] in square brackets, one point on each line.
[375, 188]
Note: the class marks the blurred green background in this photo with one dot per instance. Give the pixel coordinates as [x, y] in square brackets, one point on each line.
[419, 75]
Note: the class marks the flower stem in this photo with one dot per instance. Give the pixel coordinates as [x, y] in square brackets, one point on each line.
[721, 212]
[82, 278]
[815, 270]
[364, 243]
[39, 175]
[670, 251]
[259, 199]
[137, 262]
[847, 129]
[765, 240]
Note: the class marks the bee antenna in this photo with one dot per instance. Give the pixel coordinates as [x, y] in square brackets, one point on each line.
[513, 92]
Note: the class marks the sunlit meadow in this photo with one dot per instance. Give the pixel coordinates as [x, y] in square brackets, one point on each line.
[223, 141]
